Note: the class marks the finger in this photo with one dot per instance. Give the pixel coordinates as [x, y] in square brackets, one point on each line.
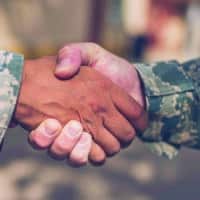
[102, 137]
[135, 114]
[108, 142]
[68, 62]
[119, 126]
[97, 155]
[73, 56]
[67, 139]
[80, 152]
[44, 135]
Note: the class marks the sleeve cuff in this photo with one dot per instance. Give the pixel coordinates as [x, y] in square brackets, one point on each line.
[11, 66]
[169, 95]
[163, 78]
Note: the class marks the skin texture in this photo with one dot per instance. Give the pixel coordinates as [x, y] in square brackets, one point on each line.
[72, 57]
[77, 143]
[121, 72]
[89, 98]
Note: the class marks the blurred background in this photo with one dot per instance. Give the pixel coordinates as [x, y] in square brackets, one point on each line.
[139, 30]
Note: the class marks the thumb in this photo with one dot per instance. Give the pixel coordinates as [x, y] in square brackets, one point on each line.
[68, 62]
[72, 56]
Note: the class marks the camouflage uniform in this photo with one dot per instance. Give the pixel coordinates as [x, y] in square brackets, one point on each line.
[10, 75]
[172, 93]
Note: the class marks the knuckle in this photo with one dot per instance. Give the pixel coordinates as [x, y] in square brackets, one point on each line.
[97, 105]
[96, 108]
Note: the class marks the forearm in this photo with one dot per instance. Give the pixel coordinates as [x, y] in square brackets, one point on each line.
[172, 101]
[11, 65]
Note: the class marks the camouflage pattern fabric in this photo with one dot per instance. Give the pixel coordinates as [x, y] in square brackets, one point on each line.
[10, 76]
[172, 93]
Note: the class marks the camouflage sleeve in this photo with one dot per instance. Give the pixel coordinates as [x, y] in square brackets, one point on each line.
[172, 94]
[11, 65]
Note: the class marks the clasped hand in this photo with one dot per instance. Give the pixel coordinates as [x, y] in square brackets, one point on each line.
[86, 115]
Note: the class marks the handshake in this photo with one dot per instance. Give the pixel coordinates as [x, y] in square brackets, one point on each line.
[84, 104]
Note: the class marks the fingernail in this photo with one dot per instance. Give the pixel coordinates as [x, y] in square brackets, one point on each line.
[64, 62]
[69, 58]
[50, 129]
[73, 129]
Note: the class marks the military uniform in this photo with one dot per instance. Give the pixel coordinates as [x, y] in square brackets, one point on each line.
[11, 65]
[172, 94]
